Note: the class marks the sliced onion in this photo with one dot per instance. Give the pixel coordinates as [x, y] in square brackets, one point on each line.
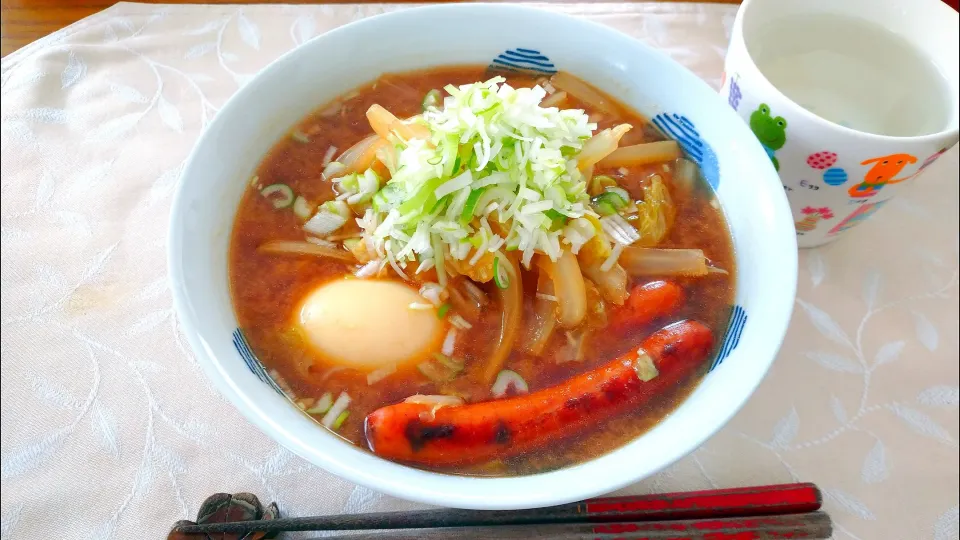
[476, 293]
[568, 287]
[459, 322]
[558, 99]
[511, 302]
[600, 146]
[612, 259]
[334, 169]
[685, 177]
[544, 318]
[359, 157]
[436, 400]
[619, 230]
[328, 156]
[293, 247]
[506, 379]
[596, 307]
[449, 342]
[583, 92]
[384, 123]
[321, 242]
[368, 270]
[612, 283]
[464, 303]
[574, 350]
[642, 154]
[434, 293]
[638, 261]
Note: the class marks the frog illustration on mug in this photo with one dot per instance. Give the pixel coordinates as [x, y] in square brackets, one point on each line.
[771, 131]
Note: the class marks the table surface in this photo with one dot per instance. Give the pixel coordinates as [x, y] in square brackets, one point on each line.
[25, 21]
[111, 431]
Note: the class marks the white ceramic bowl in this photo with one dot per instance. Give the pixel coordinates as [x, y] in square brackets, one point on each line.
[683, 106]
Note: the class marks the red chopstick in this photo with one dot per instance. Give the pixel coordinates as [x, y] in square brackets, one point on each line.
[720, 504]
[749, 501]
[810, 526]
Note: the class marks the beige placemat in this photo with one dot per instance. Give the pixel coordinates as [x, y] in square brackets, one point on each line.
[111, 431]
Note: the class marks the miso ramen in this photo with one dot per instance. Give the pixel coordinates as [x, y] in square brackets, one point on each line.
[479, 273]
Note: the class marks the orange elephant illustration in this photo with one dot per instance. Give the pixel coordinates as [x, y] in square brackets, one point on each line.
[883, 172]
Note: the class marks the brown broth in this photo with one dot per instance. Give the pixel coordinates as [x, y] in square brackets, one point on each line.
[267, 288]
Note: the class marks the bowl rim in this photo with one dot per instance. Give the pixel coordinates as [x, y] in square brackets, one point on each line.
[415, 484]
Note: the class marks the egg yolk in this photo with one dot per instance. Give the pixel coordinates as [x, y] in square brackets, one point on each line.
[366, 324]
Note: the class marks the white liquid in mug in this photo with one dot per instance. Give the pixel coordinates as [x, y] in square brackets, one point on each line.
[853, 73]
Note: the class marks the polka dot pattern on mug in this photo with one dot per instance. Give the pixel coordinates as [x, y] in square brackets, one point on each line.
[835, 176]
[822, 160]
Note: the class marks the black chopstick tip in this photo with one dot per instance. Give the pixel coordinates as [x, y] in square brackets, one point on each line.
[178, 533]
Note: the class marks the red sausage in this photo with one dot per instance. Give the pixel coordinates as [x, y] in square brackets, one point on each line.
[481, 431]
[647, 302]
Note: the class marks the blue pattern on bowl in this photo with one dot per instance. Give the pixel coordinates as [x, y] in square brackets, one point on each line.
[730, 341]
[526, 61]
[681, 129]
[250, 359]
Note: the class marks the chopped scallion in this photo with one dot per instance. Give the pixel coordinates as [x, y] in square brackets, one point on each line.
[299, 136]
[341, 418]
[280, 195]
[608, 203]
[322, 405]
[452, 363]
[302, 208]
[338, 408]
[432, 99]
[442, 312]
[507, 379]
[499, 277]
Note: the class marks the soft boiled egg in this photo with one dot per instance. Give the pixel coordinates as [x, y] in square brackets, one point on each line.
[368, 324]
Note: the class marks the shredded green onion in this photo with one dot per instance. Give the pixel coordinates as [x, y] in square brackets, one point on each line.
[299, 136]
[442, 312]
[490, 146]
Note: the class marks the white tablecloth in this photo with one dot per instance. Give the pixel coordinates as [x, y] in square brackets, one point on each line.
[109, 429]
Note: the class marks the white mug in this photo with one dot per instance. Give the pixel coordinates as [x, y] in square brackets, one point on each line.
[850, 99]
